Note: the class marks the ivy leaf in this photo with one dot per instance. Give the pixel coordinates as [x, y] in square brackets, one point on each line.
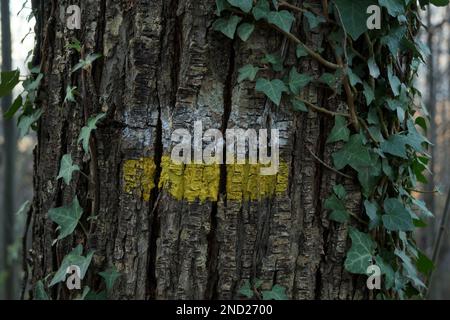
[301, 51]
[394, 7]
[86, 63]
[338, 211]
[354, 15]
[273, 89]
[244, 5]
[395, 145]
[66, 218]
[70, 94]
[424, 264]
[110, 276]
[275, 60]
[298, 105]
[75, 45]
[368, 93]
[74, 258]
[298, 81]
[245, 30]
[313, 20]
[221, 6]
[277, 293]
[67, 168]
[409, 268]
[394, 81]
[39, 291]
[86, 131]
[372, 213]
[282, 19]
[227, 26]
[340, 131]
[261, 10]
[387, 270]
[373, 68]
[369, 173]
[339, 190]
[359, 257]
[8, 81]
[440, 3]
[354, 154]
[26, 121]
[396, 218]
[14, 107]
[247, 72]
[246, 290]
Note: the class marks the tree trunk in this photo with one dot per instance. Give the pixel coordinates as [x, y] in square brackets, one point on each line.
[173, 232]
[9, 157]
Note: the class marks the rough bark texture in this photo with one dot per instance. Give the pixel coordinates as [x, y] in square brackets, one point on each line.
[163, 68]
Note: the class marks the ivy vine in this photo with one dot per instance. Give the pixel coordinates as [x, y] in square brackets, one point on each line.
[381, 132]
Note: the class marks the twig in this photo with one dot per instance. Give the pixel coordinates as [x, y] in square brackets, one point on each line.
[329, 167]
[323, 110]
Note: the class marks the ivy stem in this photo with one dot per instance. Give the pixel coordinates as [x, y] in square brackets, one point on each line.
[311, 52]
[328, 166]
[323, 110]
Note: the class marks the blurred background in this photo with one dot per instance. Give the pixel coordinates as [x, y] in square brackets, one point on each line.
[16, 160]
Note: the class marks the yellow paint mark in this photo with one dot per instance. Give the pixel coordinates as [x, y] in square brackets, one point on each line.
[190, 182]
[139, 176]
[200, 181]
[244, 182]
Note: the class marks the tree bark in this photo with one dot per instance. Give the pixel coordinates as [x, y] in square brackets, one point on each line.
[163, 68]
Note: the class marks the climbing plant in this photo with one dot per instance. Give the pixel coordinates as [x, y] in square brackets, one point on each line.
[381, 130]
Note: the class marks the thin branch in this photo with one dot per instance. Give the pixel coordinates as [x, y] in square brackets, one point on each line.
[328, 166]
[311, 52]
[323, 110]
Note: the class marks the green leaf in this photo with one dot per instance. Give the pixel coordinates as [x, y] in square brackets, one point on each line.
[410, 269]
[227, 26]
[387, 270]
[244, 5]
[277, 293]
[340, 131]
[275, 60]
[368, 93]
[75, 44]
[313, 20]
[221, 6]
[67, 218]
[86, 63]
[282, 19]
[373, 68]
[110, 276]
[424, 264]
[354, 15]
[261, 10]
[439, 3]
[247, 72]
[396, 217]
[245, 30]
[394, 7]
[86, 131]
[14, 107]
[298, 81]
[396, 146]
[26, 121]
[394, 81]
[67, 168]
[70, 94]
[273, 89]
[372, 213]
[246, 290]
[74, 258]
[301, 51]
[39, 291]
[8, 81]
[369, 174]
[359, 257]
[354, 154]
[298, 105]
